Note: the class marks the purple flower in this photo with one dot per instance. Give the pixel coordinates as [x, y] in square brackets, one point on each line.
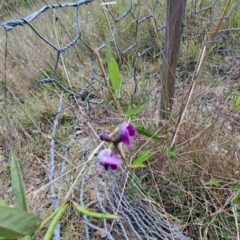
[230, 191]
[127, 131]
[105, 138]
[108, 159]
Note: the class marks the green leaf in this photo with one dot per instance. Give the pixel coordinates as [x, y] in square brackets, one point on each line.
[54, 222]
[143, 131]
[172, 150]
[94, 214]
[28, 238]
[108, 50]
[153, 194]
[142, 158]
[136, 110]
[235, 187]
[237, 101]
[17, 184]
[115, 77]
[138, 165]
[214, 181]
[236, 199]
[51, 214]
[2, 203]
[16, 223]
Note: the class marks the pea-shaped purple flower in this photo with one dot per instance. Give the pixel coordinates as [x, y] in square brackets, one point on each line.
[127, 131]
[109, 159]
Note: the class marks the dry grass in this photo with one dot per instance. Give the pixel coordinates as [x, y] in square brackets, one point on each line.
[191, 186]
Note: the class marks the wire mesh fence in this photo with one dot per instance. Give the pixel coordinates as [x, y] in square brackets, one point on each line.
[135, 31]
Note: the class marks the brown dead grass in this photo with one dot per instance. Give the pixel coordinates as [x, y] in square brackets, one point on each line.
[192, 186]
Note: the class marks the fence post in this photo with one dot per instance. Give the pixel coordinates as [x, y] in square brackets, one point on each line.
[174, 21]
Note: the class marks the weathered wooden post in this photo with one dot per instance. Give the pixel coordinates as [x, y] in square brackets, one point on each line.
[174, 25]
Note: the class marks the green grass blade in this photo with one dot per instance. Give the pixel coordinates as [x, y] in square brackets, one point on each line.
[94, 214]
[54, 223]
[17, 184]
[237, 101]
[143, 131]
[130, 105]
[52, 214]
